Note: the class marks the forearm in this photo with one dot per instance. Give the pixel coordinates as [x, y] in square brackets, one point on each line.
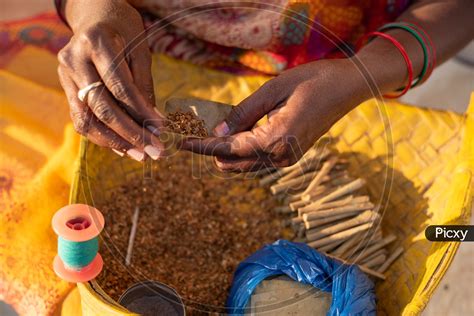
[449, 25]
[86, 12]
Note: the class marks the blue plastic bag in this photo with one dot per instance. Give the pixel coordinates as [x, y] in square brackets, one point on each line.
[352, 291]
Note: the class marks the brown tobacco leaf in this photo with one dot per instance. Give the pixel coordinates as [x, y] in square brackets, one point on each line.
[186, 123]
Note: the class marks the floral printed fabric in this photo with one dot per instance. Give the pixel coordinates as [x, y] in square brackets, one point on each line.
[268, 36]
[44, 31]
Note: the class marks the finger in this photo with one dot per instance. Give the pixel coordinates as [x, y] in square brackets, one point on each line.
[246, 114]
[87, 124]
[101, 135]
[114, 71]
[240, 145]
[140, 67]
[106, 110]
[270, 142]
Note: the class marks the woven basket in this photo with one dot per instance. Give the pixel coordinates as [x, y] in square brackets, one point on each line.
[418, 162]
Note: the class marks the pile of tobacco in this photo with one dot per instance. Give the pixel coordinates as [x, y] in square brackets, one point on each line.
[195, 225]
[185, 123]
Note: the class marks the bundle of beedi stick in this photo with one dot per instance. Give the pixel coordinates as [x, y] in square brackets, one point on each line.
[329, 211]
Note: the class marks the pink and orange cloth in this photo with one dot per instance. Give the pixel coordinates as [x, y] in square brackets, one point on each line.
[262, 36]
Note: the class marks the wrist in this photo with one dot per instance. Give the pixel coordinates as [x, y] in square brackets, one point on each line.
[375, 77]
[383, 66]
[82, 14]
[353, 78]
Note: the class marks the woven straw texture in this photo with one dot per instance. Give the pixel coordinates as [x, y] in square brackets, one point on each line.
[417, 162]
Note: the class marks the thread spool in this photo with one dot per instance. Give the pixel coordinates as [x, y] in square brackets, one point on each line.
[78, 227]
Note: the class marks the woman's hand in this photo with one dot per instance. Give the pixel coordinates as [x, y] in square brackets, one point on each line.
[109, 45]
[301, 103]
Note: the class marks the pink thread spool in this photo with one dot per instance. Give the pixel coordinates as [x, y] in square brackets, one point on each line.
[77, 223]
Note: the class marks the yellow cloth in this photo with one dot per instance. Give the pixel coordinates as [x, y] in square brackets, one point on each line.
[37, 154]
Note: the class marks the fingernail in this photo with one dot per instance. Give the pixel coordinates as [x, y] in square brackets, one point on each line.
[136, 154]
[222, 129]
[118, 152]
[153, 152]
[155, 131]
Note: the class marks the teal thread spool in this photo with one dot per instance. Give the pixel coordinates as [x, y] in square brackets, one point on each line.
[78, 227]
[77, 255]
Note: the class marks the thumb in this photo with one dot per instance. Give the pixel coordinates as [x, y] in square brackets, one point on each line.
[248, 112]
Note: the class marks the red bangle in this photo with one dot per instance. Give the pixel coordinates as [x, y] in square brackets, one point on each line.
[402, 51]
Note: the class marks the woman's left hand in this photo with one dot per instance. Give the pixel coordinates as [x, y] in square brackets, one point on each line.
[301, 103]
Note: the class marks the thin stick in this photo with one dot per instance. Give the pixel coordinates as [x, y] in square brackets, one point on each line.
[320, 175]
[364, 253]
[283, 209]
[301, 230]
[363, 268]
[365, 217]
[310, 161]
[306, 164]
[131, 239]
[274, 176]
[379, 252]
[390, 260]
[310, 153]
[302, 202]
[270, 178]
[301, 181]
[326, 220]
[328, 190]
[347, 245]
[324, 227]
[372, 272]
[318, 205]
[380, 259]
[310, 165]
[294, 206]
[331, 246]
[365, 242]
[340, 202]
[349, 199]
[292, 197]
[329, 205]
[338, 210]
[296, 220]
[281, 186]
[340, 236]
[346, 189]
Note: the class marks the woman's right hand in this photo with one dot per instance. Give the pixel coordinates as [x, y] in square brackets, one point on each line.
[109, 45]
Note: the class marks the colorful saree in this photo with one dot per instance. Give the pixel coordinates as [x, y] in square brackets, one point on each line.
[261, 36]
